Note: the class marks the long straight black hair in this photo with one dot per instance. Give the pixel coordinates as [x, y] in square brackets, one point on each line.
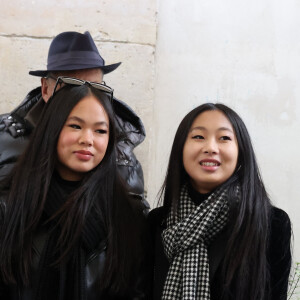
[245, 270]
[101, 190]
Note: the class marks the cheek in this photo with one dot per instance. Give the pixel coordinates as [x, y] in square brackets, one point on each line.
[236, 158]
[65, 141]
[68, 140]
[187, 157]
[190, 151]
[184, 156]
[101, 145]
[232, 156]
[235, 153]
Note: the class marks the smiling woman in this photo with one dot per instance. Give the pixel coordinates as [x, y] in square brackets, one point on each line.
[83, 140]
[210, 152]
[76, 233]
[217, 236]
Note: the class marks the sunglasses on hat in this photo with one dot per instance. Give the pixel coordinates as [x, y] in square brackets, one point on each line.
[77, 82]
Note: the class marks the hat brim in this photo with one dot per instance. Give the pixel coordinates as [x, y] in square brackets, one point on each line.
[105, 69]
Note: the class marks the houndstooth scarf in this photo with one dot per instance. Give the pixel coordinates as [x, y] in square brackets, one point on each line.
[186, 238]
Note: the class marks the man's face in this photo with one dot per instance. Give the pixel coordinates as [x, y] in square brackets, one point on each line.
[95, 75]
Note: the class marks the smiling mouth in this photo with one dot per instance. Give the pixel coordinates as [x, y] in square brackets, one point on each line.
[209, 164]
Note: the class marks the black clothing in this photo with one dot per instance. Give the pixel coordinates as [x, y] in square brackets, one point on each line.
[197, 197]
[78, 277]
[279, 255]
[69, 278]
[16, 127]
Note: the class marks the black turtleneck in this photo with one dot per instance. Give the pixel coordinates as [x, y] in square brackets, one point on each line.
[66, 185]
[59, 191]
[197, 197]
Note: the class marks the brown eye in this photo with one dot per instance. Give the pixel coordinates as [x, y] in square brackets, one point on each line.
[101, 131]
[225, 138]
[75, 126]
[198, 137]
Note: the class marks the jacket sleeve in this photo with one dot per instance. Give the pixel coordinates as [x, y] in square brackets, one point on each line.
[130, 133]
[10, 149]
[14, 132]
[279, 254]
[141, 288]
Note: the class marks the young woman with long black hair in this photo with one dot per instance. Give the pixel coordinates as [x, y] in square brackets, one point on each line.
[217, 235]
[68, 228]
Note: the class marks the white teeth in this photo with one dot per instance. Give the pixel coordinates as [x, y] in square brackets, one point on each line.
[209, 164]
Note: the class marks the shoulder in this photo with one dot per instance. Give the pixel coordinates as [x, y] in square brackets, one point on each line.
[126, 113]
[2, 118]
[279, 221]
[280, 232]
[128, 121]
[278, 213]
[30, 99]
[14, 123]
[137, 205]
[279, 252]
[157, 216]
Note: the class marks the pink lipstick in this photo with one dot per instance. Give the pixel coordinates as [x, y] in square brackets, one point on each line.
[83, 155]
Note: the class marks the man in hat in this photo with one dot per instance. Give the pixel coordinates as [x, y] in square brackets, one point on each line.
[72, 54]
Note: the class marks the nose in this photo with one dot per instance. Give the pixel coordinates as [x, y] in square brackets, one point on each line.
[210, 146]
[86, 138]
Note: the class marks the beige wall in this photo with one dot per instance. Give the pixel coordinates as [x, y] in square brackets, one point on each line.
[242, 53]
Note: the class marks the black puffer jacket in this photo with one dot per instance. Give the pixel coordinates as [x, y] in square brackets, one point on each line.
[15, 129]
[93, 268]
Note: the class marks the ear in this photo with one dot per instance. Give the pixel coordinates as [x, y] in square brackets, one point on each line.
[46, 89]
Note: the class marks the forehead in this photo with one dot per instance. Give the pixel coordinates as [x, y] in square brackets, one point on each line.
[95, 75]
[211, 119]
[90, 109]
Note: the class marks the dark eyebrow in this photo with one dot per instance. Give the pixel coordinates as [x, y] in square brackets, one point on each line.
[198, 128]
[203, 128]
[225, 128]
[82, 121]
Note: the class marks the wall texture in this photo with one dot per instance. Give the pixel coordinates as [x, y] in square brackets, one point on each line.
[244, 54]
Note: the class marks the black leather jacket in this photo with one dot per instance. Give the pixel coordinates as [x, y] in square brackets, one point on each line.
[15, 129]
[93, 269]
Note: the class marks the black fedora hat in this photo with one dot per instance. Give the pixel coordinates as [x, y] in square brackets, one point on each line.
[74, 51]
